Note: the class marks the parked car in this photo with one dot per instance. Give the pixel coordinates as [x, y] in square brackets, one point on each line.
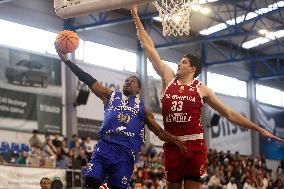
[27, 72]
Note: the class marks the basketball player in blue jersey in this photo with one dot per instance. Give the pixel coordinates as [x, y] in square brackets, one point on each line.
[122, 131]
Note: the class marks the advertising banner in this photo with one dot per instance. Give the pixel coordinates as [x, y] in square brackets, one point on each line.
[271, 118]
[30, 92]
[224, 135]
[12, 177]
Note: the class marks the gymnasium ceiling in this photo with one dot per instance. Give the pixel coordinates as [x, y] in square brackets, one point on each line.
[226, 51]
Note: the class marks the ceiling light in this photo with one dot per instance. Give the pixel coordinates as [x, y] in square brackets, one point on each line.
[205, 10]
[196, 7]
[242, 18]
[263, 31]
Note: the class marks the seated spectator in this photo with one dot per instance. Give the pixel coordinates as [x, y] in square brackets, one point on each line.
[139, 185]
[65, 145]
[72, 142]
[248, 184]
[83, 158]
[61, 161]
[49, 148]
[70, 159]
[232, 184]
[151, 151]
[22, 159]
[214, 182]
[34, 140]
[281, 166]
[56, 141]
[77, 149]
[56, 184]
[89, 148]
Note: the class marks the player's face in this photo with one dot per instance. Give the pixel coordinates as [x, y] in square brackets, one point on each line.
[184, 67]
[131, 87]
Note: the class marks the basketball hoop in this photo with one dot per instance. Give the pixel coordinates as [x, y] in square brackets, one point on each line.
[175, 15]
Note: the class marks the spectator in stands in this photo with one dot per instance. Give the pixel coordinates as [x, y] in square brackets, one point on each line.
[34, 140]
[83, 158]
[49, 148]
[214, 182]
[56, 142]
[281, 166]
[73, 140]
[65, 145]
[232, 184]
[61, 161]
[83, 142]
[45, 183]
[70, 159]
[89, 147]
[279, 182]
[77, 148]
[56, 184]
[151, 151]
[248, 184]
[22, 159]
[139, 185]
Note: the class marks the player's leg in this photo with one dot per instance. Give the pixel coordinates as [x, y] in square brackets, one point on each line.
[122, 168]
[96, 170]
[195, 165]
[174, 165]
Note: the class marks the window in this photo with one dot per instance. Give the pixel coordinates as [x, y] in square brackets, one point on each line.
[226, 85]
[107, 56]
[269, 95]
[152, 72]
[28, 38]
[37, 40]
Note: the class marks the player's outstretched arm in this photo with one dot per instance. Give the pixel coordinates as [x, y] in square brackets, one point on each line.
[214, 102]
[162, 69]
[99, 90]
[162, 134]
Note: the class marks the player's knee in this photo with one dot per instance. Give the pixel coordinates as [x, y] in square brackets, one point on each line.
[91, 183]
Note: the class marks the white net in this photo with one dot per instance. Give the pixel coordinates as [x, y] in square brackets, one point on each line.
[175, 15]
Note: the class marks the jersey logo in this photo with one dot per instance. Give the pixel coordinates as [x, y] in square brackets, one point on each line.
[181, 89]
[124, 180]
[90, 167]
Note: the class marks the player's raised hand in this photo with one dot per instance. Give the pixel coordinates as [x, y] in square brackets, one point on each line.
[62, 56]
[134, 11]
[267, 134]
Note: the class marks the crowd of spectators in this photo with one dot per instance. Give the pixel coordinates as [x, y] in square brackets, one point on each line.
[224, 170]
[54, 151]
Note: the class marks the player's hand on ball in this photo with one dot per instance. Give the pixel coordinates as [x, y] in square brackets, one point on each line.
[62, 56]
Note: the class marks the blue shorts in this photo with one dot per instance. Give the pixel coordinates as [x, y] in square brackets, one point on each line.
[113, 162]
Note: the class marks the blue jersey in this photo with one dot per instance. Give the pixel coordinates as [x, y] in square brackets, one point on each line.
[124, 121]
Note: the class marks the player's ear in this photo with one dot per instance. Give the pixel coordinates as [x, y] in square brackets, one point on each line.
[193, 68]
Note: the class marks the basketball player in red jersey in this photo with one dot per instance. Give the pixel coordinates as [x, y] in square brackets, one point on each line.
[181, 109]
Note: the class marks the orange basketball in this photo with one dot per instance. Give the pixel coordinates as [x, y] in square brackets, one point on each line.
[67, 41]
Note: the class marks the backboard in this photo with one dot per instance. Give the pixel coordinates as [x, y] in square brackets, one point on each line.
[75, 8]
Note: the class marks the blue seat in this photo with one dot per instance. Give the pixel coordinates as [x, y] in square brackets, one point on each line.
[5, 147]
[25, 147]
[15, 148]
